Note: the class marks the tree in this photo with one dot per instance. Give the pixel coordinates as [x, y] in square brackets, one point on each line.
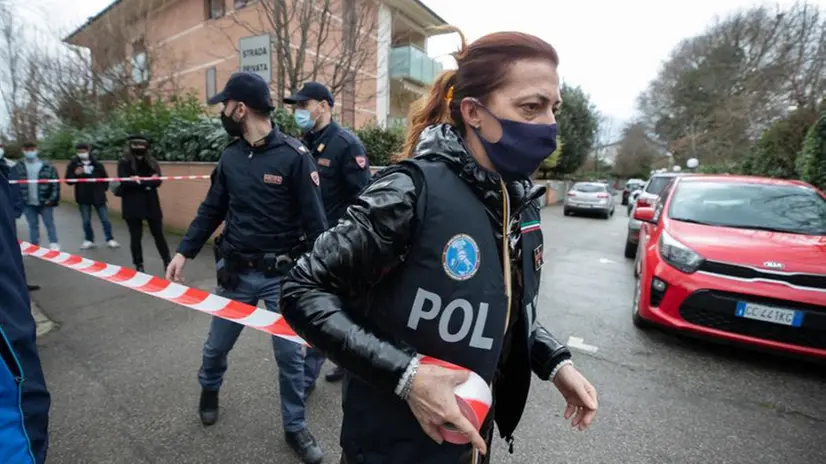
[775, 153]
[636, 153]
[720, 90]
[549, 163]
[102, 69]
[811, 163]
[317, 40]
[578, 123]
[15, 72]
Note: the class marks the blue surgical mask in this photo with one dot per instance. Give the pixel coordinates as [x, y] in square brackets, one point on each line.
[521, 149]
[30, 155]
[304, 119]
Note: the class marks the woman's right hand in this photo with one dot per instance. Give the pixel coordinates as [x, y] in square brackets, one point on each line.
[433, 402]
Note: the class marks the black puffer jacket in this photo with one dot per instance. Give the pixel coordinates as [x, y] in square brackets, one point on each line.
[371, 242]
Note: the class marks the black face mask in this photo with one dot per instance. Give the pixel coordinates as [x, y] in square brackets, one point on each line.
[234, 128]
[138, 152]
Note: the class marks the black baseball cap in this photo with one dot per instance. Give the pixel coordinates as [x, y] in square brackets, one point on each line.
[138, 140]
[248, 88]
[311, 90]
[82, 146]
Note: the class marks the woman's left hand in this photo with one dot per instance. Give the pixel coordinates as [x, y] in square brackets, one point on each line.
[580, 395]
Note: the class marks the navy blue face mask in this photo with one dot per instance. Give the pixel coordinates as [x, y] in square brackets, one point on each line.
[521, 149]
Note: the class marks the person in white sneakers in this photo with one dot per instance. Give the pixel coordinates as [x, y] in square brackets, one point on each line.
[90, 196]
[39, 198]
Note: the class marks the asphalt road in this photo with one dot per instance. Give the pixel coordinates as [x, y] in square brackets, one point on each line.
[122, 370]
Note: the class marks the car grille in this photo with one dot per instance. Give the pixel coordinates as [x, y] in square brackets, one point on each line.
[813, 281]
[716, 310]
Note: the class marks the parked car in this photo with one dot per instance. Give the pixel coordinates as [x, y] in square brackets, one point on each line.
[738, 259]
[646, 197]
[631, 186]
[590, 198]
[632, 200]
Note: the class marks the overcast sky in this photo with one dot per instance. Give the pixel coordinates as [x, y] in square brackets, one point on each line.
[611, 48]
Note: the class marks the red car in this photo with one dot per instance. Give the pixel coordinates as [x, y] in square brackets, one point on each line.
[742, 259]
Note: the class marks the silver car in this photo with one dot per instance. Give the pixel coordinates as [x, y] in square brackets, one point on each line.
[589, 198]
[647, 196]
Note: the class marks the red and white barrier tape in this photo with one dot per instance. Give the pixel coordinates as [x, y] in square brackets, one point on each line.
[474, 396]
[81, 180]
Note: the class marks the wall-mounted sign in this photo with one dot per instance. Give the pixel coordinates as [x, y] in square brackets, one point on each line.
[256, 55]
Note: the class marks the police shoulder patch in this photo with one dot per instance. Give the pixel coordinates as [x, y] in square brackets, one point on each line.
[460, 258]
[296, 145]
[315, 178]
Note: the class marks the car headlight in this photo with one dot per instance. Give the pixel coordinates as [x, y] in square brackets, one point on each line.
[678, 255]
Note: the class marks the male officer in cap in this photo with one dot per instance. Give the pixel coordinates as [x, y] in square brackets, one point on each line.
[339, 154]
[266, 190]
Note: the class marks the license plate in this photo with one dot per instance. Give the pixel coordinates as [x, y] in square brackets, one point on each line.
[771, 314]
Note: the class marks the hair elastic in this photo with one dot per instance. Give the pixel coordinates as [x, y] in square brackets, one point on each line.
[449, 95]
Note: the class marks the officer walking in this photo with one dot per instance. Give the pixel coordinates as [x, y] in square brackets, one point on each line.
[266, 189]
[339, 154]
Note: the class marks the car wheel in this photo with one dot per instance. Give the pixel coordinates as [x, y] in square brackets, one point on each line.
[639, 322]
[630, 249]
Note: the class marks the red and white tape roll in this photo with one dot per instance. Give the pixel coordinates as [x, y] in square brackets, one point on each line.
[107, 179]
[473, 396]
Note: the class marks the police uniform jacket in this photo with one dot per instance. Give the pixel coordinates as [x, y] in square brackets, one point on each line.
[24, 398]
[343, 166]
[438, 257]
[267, 194]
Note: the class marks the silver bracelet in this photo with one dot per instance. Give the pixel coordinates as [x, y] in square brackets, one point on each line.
[559, 366]
[406, 381]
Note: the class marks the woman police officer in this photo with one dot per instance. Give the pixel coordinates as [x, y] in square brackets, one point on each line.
[441, 256]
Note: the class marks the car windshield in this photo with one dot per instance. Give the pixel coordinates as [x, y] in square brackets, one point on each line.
[589, 188]
[779, 208]
[657, 184]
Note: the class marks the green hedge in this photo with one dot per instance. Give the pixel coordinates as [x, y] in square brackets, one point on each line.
[183, 130]
[776, 152]
[811, 163]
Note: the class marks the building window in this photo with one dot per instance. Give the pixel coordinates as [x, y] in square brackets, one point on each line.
[210, 83]
[140, 70]
[241, 4]
[215, 9]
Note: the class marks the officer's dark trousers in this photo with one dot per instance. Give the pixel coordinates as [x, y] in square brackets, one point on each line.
[298, 368]
[469, 459]
[136, 235]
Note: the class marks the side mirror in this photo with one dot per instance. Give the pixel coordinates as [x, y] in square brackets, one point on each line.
[644, 214]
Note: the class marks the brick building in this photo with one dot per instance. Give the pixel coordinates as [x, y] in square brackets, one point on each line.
[374, 51]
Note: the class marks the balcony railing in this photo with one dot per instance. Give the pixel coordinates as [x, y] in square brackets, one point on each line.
[409, 62]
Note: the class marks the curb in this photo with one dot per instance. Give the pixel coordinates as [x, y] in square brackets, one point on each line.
[44, 324]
